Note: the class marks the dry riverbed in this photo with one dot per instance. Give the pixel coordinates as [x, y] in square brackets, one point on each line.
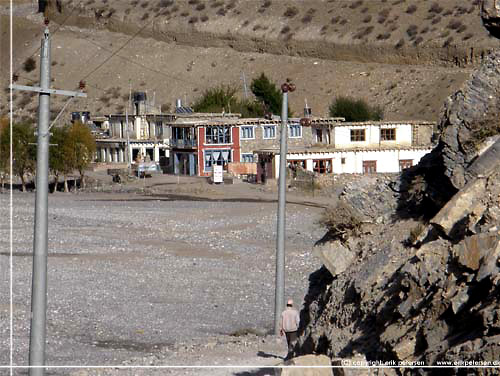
[158, 279]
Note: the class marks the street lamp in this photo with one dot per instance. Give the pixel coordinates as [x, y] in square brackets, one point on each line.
[279, 298]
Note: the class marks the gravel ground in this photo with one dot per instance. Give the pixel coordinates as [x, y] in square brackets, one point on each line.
[142, 280]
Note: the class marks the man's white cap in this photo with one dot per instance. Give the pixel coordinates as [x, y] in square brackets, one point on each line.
[289, 302]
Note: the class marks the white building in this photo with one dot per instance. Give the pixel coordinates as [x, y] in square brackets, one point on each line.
[368, 147]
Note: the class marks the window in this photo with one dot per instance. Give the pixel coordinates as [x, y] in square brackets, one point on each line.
[295, 130]
[247, 132]
[342, 160]
[358, 135]
[319, 135]
[369, 167]
[247, 158]
[405, 163]
[269, 131]
[297, 163]
[218, 157]
[322, 166]
[219, 134]
[388, 134]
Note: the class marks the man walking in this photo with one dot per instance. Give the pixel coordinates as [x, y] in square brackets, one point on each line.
[289, 325]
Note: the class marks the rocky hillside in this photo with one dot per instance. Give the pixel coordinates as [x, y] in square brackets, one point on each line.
[406, 56]
[425, 287]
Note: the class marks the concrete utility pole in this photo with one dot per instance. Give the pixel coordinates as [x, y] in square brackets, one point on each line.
[279, 297]
[40, 239]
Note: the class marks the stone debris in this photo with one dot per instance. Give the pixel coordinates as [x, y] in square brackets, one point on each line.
[435, 298]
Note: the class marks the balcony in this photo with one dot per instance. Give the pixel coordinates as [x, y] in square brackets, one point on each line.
[183, 144]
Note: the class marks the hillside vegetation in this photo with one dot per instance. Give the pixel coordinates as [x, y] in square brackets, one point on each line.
[405, 56]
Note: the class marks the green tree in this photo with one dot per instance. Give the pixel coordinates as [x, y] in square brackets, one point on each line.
[223, 98]
[58, 162]
[355, 109]
[23, 149]
[79, 149]
[267, 92]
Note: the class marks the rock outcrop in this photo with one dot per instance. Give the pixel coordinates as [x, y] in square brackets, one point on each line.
[424, 293]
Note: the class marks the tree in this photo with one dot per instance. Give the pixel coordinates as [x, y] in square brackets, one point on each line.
[355, 109]
[267, 92]
[23, 149]
[58, 162]
[223, 98]
[79, 149]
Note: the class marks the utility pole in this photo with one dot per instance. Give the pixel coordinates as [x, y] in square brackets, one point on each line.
[279, 297]
[245, 85]
[40, 238]
[129, 157]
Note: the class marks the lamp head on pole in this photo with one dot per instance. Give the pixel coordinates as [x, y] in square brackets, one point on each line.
[288, 87]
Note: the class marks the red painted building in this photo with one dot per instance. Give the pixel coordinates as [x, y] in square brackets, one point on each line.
[200, 141]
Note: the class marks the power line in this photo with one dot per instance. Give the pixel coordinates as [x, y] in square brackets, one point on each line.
[118, 50]
[137, 63]
[55, 31]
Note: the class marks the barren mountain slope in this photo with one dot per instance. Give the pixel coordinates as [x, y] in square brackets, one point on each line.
[370, 49]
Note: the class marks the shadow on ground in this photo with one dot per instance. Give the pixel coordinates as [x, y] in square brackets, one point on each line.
[258, 372]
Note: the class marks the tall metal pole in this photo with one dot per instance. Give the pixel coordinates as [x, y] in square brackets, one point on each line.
[129, 157]
[279, 297]
[39, 279]
[40, 238]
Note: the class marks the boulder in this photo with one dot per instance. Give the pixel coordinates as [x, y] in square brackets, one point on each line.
[335, 256]
[490, 14]
[464, 209]
[474, 249]
[302, 366]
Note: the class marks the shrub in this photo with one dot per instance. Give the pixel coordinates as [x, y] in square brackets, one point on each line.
[367, 19]
[224, 98]
[200, 7]
[356, 4]
[29, 65]
[217, 4]
[145, 4]
[454, 24]
[363, 32]
[435, 8]
[418, 40]
[221, 12]
[285, 30]
[291, 12]
[355, 109]
[335, 19]
[204, 18]
[411, 9]
[193, 20]
[412, 31]
[145, 16]
[341, 221]
[309, 16]
[184, 14]
[436, 20]
[166, 3]
[384, 36]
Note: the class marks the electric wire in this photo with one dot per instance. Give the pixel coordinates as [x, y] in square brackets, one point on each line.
[52, 34]
[172, 77]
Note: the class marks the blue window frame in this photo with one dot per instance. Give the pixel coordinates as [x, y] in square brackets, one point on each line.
[247, 132]
[218, 157]
[247, 158]
[218, 134]
[294, 131]
[269, 131]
